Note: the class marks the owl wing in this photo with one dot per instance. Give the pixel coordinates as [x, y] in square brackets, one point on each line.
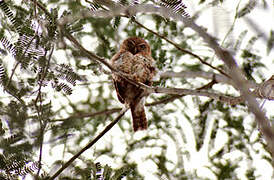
[120, 90]
[121, 61]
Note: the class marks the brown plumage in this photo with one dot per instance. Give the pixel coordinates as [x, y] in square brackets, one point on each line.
[134, 58]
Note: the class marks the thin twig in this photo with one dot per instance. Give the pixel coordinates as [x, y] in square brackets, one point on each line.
[122, 112]
[224, 55]
[181, 49]
[91, 143]
[165, 101]
[203, 74]
[89, 115]
[12, 72]
[175, 91]
[41, 7]
[174, 97]
[98, 59]
[42, 124]
[20, 57]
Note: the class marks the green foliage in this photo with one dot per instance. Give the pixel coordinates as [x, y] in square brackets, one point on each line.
[15, 159]
[176, 5]
[270, 42]
[8, 45]
[239, 41]
[2, 75]
[252, 61]
[54, 97]
[227, 170]
[4, 6]
[250, 5]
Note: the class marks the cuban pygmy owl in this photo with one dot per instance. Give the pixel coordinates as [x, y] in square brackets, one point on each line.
[134, 59]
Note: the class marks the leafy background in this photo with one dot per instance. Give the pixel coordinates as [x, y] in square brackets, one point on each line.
[54, 99]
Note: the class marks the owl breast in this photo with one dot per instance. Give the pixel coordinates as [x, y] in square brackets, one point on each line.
[141, 69]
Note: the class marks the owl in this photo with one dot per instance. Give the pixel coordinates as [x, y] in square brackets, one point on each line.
[134, 59]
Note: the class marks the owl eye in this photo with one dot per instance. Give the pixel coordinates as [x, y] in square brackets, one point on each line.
[142, 46]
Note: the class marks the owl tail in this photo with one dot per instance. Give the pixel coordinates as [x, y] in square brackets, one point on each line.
[138, 117]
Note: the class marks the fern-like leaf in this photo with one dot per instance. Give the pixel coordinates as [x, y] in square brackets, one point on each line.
[65, 72]
[9, 14]
[94, 6]
[14, 161]
[29, 168]
[2, 75]
[251, 43]
[8, 46]
[99, 174]
[28, 46]
[107, 172]
[247, 8]
[24, 50]
[176, 5]
[239, 40]
[120, 173]
[14, 167]
[116, 22]
[51, 26]
[270, 42]
[11, 140]
[64, 87]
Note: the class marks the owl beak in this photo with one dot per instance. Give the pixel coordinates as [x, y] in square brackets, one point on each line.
[135, 50]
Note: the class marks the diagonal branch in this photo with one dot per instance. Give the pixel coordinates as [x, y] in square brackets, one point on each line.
[240, 83]
[90, 144]
[180, 49]
[224, 55]
[175, 91]
[97, 59]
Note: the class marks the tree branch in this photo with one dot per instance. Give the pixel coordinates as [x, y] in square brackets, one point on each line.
[88, 115]
[175, 91]
[90, 144]
[40, 112]
[181, 49]
[194, 74]
[172, 98]
[224, 55]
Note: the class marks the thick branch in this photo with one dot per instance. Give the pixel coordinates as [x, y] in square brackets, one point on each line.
[225, 56]
[175, 91]
[240, 83]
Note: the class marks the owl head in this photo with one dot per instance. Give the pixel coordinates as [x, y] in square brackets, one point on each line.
[136, 45]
